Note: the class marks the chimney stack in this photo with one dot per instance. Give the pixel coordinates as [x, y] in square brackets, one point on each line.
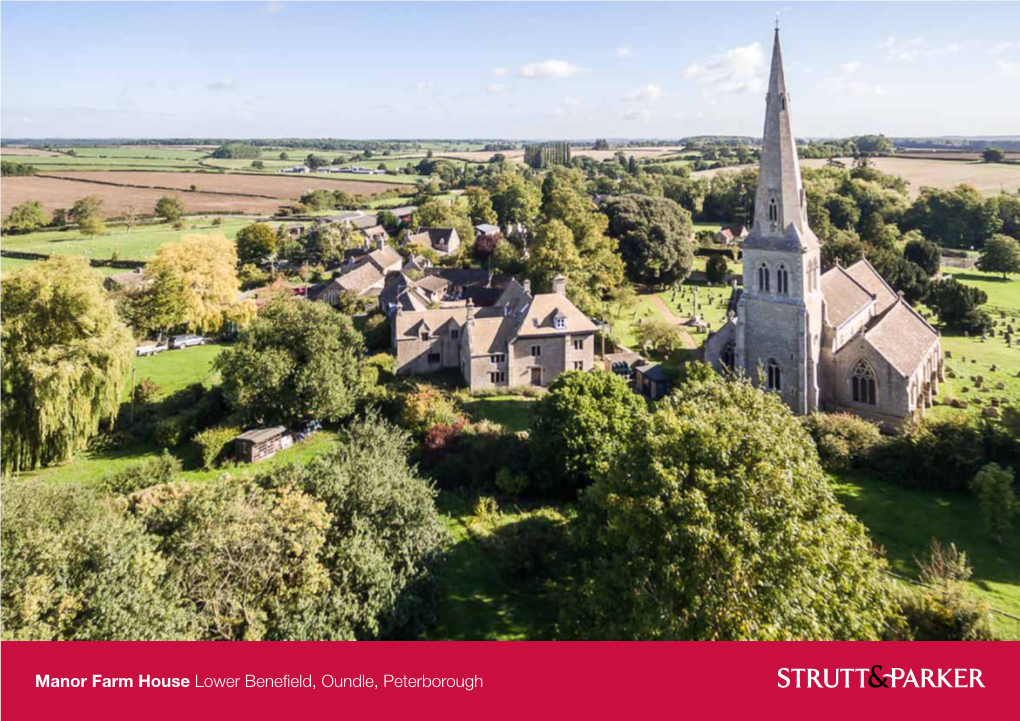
[470, 310]
[527, 286]
[560, 285]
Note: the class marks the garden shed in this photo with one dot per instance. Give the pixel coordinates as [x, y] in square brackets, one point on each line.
[261, 443]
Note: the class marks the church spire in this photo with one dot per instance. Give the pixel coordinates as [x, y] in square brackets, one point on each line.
[780, 201]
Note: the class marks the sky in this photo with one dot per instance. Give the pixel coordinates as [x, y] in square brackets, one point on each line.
[503, 70]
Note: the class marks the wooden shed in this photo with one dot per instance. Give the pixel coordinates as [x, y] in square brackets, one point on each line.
[651, 380]
[260, 443]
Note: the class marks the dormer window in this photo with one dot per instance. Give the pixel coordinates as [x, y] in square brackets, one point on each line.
[560, 321]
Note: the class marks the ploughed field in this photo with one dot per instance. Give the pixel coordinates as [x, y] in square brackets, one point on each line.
[216, 192]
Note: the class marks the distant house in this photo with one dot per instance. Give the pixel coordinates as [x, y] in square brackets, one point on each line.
[404, 212]
[731, 234]
[486, 229]
[444, 241]
[296, 169]
[365, 277]
[376, 234]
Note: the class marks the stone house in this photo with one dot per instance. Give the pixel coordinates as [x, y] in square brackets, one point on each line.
[444, 241]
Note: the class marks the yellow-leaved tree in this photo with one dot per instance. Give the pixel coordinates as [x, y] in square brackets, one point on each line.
[207, 265]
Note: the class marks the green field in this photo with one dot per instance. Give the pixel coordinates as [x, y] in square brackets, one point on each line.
[176, 369]
[511, 412]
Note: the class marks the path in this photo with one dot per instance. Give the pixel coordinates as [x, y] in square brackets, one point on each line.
[667, 313]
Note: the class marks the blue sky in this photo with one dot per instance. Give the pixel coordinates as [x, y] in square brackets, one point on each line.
[517, 70]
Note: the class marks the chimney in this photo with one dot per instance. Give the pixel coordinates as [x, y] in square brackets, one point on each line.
[367, 244]
[527, 286]
[380, 242]
[560, 285]
[470, 310]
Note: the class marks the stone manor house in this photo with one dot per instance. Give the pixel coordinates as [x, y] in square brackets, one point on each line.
[842, 340]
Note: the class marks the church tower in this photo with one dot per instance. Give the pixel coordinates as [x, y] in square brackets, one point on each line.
[779, 315]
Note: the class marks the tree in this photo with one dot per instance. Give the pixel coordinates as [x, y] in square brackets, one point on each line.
[65, 359]
[296, 361]
[958, 305]
[130, 216]
[579, 426]
[660, 336]
[25, 218]
[697, 534]
[255, 242]
[655, 236]
[924, 253]
[480, 206]
[993, 486]
[284, 156]
[388, 220]
[716, 269]
[441, 213]
[170, 208]
[77, 568]
[92, 226]
[258, 165]
[207, 265]
[514, 199]
[1001, 254]
[91, 206]
[954, 218]
[843, 247]
[314, 161]
[330, 240]
[320, 199]
[384, 537]
[163, 304]
[993, 155]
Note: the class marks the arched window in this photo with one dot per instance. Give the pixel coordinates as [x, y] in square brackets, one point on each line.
[782, 99]
[763, 278]
[773, 376]
[862, 383]
[773, 210]
[782, 280]
[729, 355]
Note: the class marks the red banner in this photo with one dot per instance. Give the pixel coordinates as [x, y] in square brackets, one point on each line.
[506, 680]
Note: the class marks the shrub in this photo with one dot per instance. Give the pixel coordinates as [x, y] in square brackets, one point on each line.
[511, 483]
[384, 363]
[143, 474]
[441, 440]
[215, 443]
[376, 331]
[425, 406]
[173, 431]
[147, 391]
[716, 269]
[993, 486]
[844, 441]
[944, 454]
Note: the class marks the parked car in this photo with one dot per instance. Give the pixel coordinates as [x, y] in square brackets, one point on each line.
[151, 348]
[187, 340]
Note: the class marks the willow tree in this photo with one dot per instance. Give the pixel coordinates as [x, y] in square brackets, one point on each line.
[207, 267]
[65, 359]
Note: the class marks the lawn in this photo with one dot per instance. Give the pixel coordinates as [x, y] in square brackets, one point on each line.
[511, 412]
[176, 369]
[903, 521]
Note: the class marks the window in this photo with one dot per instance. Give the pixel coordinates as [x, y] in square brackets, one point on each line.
[497, 358]
[579, 344]
[862, 383]
[455, 333]
[424, 335]
[497, 377]
[560, 321]
[773, 210]
[774, 376]
[578, 365]
[763, 278]
[536, 351]
[782, 280]
[729, 355]
[782, 100]
[434, 359]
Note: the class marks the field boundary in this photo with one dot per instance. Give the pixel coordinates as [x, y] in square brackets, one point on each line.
[94, 262]
[158, 187]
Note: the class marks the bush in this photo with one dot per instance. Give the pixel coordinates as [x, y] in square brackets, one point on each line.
[993, 486]
[384, 363]
[147, 391]
[143, 474]
[215, 443]
[425, 406]
[511, 483]
[943, 454]
[376, 331]
[173, 430]
[716, 269]
[844, 441]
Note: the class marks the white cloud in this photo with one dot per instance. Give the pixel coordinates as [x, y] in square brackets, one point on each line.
[624, 52]
[224, 84]
[950, 49]
[636, 114]
[847, 82]
[1002, 47]
[648, 92]
[738, 70]
[1006, 71]
[500, 72]
[901, 50]
[424, 85]
[496, 88]
[557, 69]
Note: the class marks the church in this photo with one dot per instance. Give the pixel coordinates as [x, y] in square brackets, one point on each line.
[839, 341]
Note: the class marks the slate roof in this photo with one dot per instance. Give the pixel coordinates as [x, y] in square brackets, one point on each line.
[844, 296]
[864, 273]
[902, 337]
[538, 320]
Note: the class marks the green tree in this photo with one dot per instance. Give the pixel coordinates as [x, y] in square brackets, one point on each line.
[258, 165]
[76, 568]
[330, 240]
[388, 220]
[314, 161]
[698, 534]
[284, 156]
[297, 360]
[169, 208]
[163, 304]
[922, 252]
[207, 265]
[959, 306]
[65, 359]
[655, 236]
[716, 269]
[92, 226]
[514, 199]
[1001, 254]
[843, 247]
[993, 155]
[993, 486]
[954, 218]
[25, 218]
[480, 206]
[659, 336]
[320, 199]
[579, 427]
[255, 242]
[91, 206]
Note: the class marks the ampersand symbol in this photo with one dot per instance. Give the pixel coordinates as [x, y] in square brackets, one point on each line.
[875, 677]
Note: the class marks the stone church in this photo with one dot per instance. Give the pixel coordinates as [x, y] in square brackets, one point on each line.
[839, 341]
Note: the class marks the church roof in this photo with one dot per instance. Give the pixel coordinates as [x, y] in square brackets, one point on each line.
[844, 296]
[902, 337]
[864, 273]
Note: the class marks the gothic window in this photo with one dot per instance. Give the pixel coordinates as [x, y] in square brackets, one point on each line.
[782, 280]
[773, 376]
[773, 210]
[862, 383]
[729, 355]
[763, 278]
[782, 100]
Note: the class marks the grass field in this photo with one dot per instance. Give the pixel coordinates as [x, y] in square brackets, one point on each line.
[177, 369]
[511, 412]
[903, 521]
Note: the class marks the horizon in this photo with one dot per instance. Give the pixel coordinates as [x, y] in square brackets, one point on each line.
[636, 71]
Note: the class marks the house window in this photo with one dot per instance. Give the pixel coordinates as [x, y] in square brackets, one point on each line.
[434, 359]
[763, 278]
[578, 365]
[561, 322]
[536, 351]
[455, 334]
[497, 377]
[579, 344]
[497, 358]
[782, 280]
[774, 376]
[862, 383]
[424, 335]
[729, 355]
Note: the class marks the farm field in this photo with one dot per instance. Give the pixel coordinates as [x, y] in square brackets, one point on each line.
[32, 152]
